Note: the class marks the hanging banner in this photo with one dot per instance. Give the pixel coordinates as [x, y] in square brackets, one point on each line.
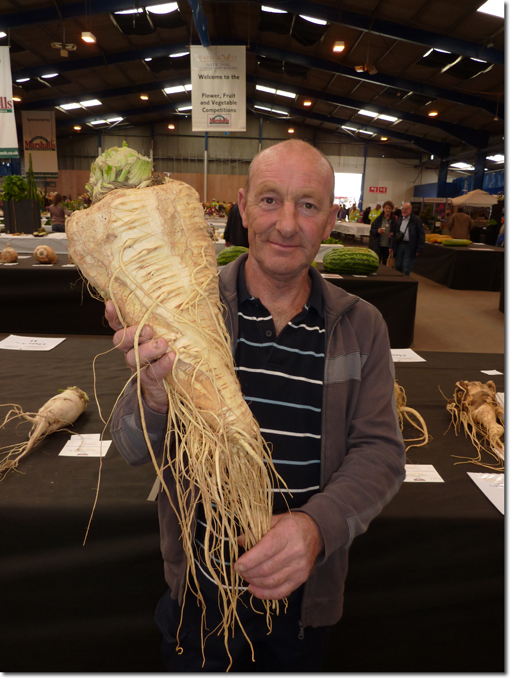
[8, 136]
[218, 78]
[39, 140]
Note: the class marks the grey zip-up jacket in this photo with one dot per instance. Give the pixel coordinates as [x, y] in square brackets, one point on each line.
[362, 457]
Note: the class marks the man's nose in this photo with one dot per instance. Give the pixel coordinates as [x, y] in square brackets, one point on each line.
[287, 219]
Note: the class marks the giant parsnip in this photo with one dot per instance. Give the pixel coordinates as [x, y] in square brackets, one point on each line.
[148, 250]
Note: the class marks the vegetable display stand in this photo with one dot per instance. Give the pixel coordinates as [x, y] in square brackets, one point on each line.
[22, 216]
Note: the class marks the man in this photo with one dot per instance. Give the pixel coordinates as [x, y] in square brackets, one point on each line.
[408, 239]
[375, 212]
[235, 234]
[460, 224]
[354, 213]
[381, 232]
[315, 365]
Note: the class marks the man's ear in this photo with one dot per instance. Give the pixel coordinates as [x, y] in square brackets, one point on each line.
[331, 221]
[242, 207]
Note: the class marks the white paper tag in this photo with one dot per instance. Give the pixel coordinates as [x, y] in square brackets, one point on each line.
[6, 264]
[492, 486]
[29, 343]
[492, 372]
[421, 473]
[406, 355]
[91, 447]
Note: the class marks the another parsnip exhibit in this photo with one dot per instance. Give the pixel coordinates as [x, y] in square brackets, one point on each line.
[149, 251]
[474, 406]
[59, 412]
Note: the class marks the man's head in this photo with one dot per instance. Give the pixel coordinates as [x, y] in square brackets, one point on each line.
[287, 206]
[406, 210]
[460, 209]
[378, 206]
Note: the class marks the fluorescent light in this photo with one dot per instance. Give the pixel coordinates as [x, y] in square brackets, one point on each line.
[498, 158]
[100, 122]
[437, 49]
[285, 113]
[427, 53]
[164, 8]
[188, 87]
[50, 75]
[88, 37]
[313, 20]
[364, 112]
[284, 93]
[91, 102]
[462, 166]
[185, 108]
[481, 61]
[149, 58]
[174, 89]
[338, 46]
[348, 127]
[115, 119]
[493, 7]
[264, 8]
[264, 108]
[384, 117]
[3, 35]
[178, 54]
[22, 80]
[130, 11]
[68, 107]
[263, 88]
[366, 132]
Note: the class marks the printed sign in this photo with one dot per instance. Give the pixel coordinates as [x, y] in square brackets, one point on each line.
[218, 78]
[8, 136]
[39, 140]
[373, 190]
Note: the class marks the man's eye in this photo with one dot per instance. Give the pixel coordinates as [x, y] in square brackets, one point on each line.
[309, 206]
[268, 200]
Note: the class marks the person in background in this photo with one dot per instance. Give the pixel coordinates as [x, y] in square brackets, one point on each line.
[342, 212]
[460, 224]
[381, 232]
[408, 239]
[58, 213]
[354, 213]
[375, 212]
[366, 216]
[235, 234]
[314, 362]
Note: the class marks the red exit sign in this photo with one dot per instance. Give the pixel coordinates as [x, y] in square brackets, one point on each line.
[378, 190]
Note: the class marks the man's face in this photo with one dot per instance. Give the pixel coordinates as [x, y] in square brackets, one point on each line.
[287, 210]
[406, 210]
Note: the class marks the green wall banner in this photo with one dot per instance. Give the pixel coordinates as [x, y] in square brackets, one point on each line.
[8, 136]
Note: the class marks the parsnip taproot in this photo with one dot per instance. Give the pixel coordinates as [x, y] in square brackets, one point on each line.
[149, 251]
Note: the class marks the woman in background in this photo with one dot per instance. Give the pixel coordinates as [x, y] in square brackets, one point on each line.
[58, 213]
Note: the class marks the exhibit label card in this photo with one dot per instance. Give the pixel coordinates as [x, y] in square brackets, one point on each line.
[406, 355]
[492, 486]
[89, 446]
[29, 343]
[421, 473]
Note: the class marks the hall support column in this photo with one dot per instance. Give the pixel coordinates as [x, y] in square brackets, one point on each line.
[479, 165]
[441, 189]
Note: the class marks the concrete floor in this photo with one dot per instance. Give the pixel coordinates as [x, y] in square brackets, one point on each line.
[448, 320]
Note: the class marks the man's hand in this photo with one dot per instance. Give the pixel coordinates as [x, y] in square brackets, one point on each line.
[153, 357]
[283, 559]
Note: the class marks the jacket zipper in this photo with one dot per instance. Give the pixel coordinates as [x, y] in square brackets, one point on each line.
[301, 635]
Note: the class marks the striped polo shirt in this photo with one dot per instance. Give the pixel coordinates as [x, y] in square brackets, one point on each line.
[282, 381]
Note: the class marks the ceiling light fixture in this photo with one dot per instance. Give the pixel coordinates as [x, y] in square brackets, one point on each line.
[145, 97]
[339, 46]
[77, 127]
[384, 139]
[171, 126]
[369, 68]
[290, 131]
[88, 37]
[16, 99]
[91, 102]
[433, 114]
[307, 103]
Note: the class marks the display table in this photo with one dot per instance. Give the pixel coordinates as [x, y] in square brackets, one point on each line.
[351, 228]
[472, 268]
[26, 244]
[426, 582]
[55, 299]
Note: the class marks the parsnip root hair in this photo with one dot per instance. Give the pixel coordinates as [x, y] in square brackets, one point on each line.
[475, 409]
[409, 414]
[149, 251]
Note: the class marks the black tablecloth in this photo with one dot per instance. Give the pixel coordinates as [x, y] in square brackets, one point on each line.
[470, 268]
[55, 299]
[425, 586]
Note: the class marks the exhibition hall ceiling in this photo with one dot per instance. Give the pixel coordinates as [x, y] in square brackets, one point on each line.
[428, 74]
